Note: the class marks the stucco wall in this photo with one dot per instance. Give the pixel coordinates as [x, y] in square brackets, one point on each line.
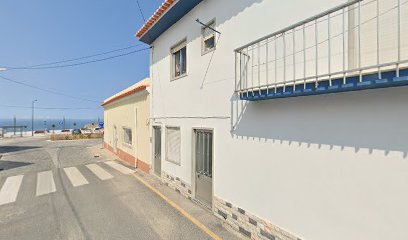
[122, 113]
[322, 167]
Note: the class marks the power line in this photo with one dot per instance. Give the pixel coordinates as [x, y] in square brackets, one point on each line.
[80, 63]
[48, 90]
[140, 10]
[84, 57]
[49, 108]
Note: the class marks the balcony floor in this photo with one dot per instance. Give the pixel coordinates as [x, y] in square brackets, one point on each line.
[369, 81]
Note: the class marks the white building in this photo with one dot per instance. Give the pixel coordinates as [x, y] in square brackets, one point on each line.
[328, 166]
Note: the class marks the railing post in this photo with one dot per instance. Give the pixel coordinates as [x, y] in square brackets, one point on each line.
[259, 67]
[246, 71]
[235, 73]
[240, 72]
[266, 66]
[304, 56]
[329, 49]
[252, 70]
[344, 48]
[294, 58]
[378, 39]
[276, 63]
[284, 62]
[317, 52]
[399, 38]
[359, 42]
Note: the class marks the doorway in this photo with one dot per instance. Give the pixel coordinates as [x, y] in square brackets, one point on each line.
[203, 156]
[157, 150]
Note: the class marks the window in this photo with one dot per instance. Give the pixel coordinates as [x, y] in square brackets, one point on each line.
[179, 60]
[208, 38]
[204, 151]
[173, 139]
[127, 136]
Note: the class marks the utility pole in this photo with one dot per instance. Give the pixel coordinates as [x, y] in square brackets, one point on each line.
[32, 117]
[63, 122]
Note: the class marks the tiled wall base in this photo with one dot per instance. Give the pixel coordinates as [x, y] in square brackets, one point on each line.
[247, 224]
[176, 184]
[129, 158]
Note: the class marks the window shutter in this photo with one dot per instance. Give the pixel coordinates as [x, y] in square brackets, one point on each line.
[207, 32]
[173, 144]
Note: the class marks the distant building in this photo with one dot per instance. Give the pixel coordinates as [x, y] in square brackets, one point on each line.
[235, 127]
[91, 126]
[126, 133]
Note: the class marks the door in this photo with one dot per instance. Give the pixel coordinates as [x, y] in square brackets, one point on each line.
[115, 138]
[157, 150]
[203, 165]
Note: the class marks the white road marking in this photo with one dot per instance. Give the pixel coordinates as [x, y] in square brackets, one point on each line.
[119, 167]
[45, 183]
[99, 172]
[9, 191]
[75, 176]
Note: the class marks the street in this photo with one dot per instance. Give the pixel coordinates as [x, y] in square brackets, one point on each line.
[65, 190]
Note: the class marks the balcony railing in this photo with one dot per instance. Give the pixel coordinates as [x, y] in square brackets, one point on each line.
[358, 45]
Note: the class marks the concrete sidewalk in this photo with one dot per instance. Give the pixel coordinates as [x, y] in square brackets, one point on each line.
[199, 215]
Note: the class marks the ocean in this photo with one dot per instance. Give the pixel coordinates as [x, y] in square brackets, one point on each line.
[41, 124]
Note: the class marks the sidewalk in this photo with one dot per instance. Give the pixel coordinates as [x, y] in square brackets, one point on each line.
[199, 215]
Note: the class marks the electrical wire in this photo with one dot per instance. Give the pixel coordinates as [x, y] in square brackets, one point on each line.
[140, 10]
[48, 90]
[84, 57]
[77, 64]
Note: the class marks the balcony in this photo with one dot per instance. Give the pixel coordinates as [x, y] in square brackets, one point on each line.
[360, 45]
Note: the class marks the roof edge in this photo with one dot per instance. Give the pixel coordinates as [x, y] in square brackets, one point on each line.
[125, 94]
[161, 11]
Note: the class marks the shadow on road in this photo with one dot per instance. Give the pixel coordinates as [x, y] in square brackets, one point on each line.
[5, 165]
[8, 149]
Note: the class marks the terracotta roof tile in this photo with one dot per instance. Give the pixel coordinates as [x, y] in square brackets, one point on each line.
[157, 14]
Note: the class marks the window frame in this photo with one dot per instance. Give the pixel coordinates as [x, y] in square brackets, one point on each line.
[124, 136]
[203, 38]
[167, 145]
[175, 48]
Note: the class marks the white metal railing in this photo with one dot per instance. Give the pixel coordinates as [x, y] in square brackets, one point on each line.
[353, 39]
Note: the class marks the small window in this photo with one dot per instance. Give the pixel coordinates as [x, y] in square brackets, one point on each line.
[208, 37]
[179, 59]
[127, 135]
[173, 144]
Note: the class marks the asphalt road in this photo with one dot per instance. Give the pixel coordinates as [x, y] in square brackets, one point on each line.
[60, 190]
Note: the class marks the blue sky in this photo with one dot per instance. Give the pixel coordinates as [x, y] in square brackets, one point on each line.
[41, 31]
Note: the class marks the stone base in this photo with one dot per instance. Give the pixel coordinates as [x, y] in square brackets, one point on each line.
[248, 224]
[177, 184]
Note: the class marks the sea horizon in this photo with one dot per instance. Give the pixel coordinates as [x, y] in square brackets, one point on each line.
[41, 124]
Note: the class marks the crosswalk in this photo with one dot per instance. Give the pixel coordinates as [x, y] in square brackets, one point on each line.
[10, 188]
[75, 176]
[46, 184]
[99, 172]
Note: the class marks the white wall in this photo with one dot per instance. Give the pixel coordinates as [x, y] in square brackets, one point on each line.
[322, 167]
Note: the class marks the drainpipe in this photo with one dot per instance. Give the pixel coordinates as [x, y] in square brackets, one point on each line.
[136, 139]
